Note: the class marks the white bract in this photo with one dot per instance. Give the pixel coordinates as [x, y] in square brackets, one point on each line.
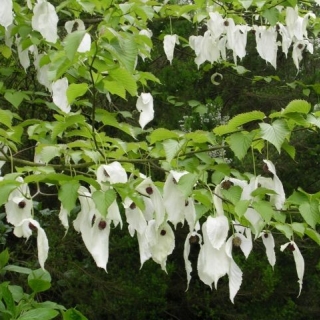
[19, 204]
[148, 189]
[268, 242]
[25, 228]
[85, 43]
[298, 259]
[59, 94]
[95, 230]
[145, 107]
[6, 13]
[45, 20]
[169, 43]
[173, 198]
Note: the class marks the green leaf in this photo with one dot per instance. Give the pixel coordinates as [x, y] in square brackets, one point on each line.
[240, 143]
[289, 149]
[6, 117]
[275, 133]
[241, 207]
[310, 213]
[125, 79]
[203, 196]
[298, 228]
[76, 90]
[260, 191]
[15, 98]
[285, 229]
[4, 258]
[313, 234]
[186, 183]
[233, 194]
[73, 314]
[299, 106]
[171, 148]
[297, 198]
[68, 194]
[272, 15]
[72, 42]
[103, 200]
[39, 314]
[238, 121]
[265, 209]
[17, 269]
[6, 187]
[8, 298]
[39, 280]
[114, 88]
[162, 134]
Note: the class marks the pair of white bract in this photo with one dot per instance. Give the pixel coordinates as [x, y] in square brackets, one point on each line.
[153, 222]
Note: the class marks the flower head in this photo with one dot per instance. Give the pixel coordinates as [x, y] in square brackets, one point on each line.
[145, 107]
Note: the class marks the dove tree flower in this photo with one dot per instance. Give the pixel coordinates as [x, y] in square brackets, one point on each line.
[173, 199]
[19, 214]
[94, 229]
[268, 241]
[85, 43]
[148, 189]
[45, 20]
[145, 107]
[298, 259]
[25, 228]
[6, 13]
[169, 43]
[59, 94]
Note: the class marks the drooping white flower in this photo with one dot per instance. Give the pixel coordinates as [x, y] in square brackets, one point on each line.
[145, 107]
[268, 241]
[85, 44]
[267, 47]
[297, 26]
[298, 259]
[19, 204]
[173, 198]
[6, 13]
[135, 218]
[161, 242]
[42, 72]
[147, 48]
[148, 189]
[169, 43]
[112, 173]
[63, 216]
[234, 272]
[23, 55]
[286, 38]
[190, 214]
[216, 229]
[45, 20]
[212, 263]
[298, 48]
[216, 25]
[95, 230]
[186, 251]
[59, 94]
[25, 228]
[278, 199]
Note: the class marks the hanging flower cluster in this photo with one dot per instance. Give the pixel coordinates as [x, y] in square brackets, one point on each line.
[223, 34]
[155, 216]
